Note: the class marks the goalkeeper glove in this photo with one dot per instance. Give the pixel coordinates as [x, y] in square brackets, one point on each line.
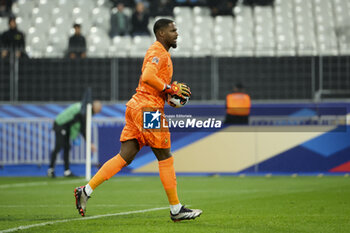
[179, 89]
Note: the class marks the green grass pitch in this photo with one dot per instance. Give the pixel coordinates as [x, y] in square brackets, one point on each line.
[229, 204]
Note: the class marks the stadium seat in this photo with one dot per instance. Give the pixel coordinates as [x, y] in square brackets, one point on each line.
[63, 25]
[87, 5]
[284, 28]
[128, 11]
[183, 25]
[53, 52]
[201, 11]
[23, 24]
[103, 3]
[286, 6]
[46, 5]
[205, 22]
[3, 24]
[264, 31]
[244, 44]
[65, 5]
[324, 22]
[25, 5]
[41, 25]
[101, 18]
[184, 46]
[185, 12]
[202, 41]
[120, 46]
[37, 45]
[223, 41]
[199, 51]
[139, 46]
[98, 45]
[287, 28]
[222, 51]
[80, 13]
[95, 52]
[224, 22]
[305, 28]
[58, 40]
[57, 12]
[20, 11]
[341, 12]
[181, 52]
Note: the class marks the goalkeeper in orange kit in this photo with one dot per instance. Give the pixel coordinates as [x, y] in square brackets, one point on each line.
[154, 85]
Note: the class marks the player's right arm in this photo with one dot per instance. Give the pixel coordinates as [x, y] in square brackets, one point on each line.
[149, 76]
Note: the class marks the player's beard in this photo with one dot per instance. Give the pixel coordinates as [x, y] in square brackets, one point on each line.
[173, 45]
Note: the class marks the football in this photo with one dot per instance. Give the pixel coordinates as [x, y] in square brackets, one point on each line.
[176, 101]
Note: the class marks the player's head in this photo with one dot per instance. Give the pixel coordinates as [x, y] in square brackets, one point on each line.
[166, 32]
[96, 106]
[12, 22]
[77, 28]
[238, 87]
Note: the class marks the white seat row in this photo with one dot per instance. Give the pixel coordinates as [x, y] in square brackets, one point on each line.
[289, 28]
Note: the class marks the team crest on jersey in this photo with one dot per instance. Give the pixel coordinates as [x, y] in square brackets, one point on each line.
[155, 60]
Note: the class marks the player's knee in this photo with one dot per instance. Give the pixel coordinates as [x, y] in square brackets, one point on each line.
[128, 154]
[161, 154]
[128, 150]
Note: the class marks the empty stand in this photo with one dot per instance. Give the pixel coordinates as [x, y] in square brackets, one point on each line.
[288, 28]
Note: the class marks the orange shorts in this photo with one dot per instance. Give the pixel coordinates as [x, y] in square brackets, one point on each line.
[133, 129]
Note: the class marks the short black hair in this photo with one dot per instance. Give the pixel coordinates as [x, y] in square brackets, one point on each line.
[76, 25]
[161, 23]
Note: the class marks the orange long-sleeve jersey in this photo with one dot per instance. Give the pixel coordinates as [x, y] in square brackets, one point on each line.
[157, 71]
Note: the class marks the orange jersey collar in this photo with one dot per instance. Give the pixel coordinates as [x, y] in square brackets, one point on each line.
[160, 46]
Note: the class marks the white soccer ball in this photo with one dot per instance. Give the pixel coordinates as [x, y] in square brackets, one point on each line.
[176, 101]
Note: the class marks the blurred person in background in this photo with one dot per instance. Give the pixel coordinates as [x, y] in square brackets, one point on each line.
[6, 8]
[222, 7]
[192, 3]
[119, 21]
[161, 8]
[13, 40]
[237, 106]
[77, 44]
[67, 126]
[139, 21]
[258, 2]
[127, 3]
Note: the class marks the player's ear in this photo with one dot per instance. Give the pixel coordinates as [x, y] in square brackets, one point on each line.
[161, 32]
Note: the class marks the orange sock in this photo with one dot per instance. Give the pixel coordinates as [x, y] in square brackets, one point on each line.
[109, 169]
[168, 178]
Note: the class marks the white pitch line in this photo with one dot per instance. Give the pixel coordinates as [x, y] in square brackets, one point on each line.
[42, 183]
[22, 184]
[64, 206]
[80, 219]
